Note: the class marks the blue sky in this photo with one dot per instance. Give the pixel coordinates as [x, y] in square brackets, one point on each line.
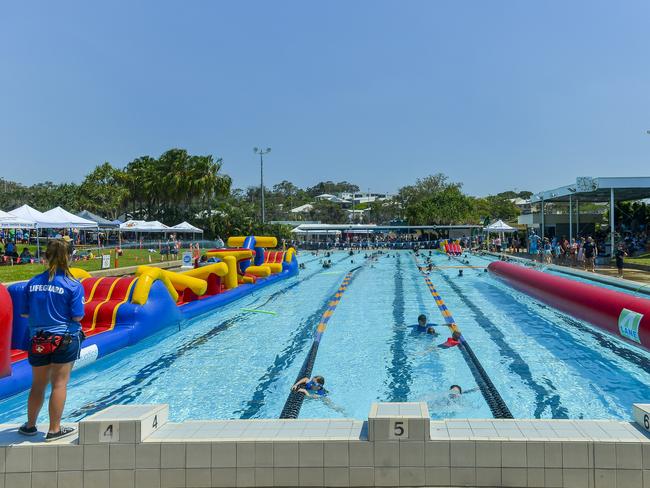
[498, 95]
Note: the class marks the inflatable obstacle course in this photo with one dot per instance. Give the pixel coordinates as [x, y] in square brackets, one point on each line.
[121, 311]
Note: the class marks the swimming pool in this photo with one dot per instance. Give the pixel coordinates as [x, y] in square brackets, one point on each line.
[239, 364]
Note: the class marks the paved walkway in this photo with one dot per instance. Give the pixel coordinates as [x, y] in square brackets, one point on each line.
[637, 275]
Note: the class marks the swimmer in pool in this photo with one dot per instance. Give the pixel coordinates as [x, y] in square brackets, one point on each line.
[312, 388]
[423, 326]
[455, 392]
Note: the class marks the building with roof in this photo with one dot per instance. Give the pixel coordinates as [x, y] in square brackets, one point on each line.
[605, 191]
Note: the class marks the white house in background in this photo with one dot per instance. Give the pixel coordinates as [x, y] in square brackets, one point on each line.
[522, 203]
[306, 208]
[331, 198]
[361, 197]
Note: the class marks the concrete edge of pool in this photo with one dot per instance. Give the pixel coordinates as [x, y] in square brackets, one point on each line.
[399, 445]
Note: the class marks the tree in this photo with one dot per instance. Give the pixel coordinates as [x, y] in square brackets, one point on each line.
[495, 207]
[328, 212]
[332, 188]
[103, 191]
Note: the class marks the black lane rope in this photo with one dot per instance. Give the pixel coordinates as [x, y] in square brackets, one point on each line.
[150, 372]
[292, 406]
[490, 393]
[544, 397]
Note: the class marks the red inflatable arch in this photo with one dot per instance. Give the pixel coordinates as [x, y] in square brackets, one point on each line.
[6, 317]
[618, 313]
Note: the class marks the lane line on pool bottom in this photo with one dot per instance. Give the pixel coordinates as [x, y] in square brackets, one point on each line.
[490, 393]
[292, 406]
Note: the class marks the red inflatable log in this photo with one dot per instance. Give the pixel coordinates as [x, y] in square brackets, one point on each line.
[6, 317]
[618, 313]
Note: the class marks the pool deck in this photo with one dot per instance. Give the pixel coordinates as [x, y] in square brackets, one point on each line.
[398, 445]
[630, 274]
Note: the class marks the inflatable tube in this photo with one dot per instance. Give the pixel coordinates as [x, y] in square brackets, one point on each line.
[79, 273]
[618, 313]
[259, 271]
[220, 269]
[207, 304]
[6, 320]
[259, 256]
[231, 278]
[260, 241]
[147, 276]
[249, 243]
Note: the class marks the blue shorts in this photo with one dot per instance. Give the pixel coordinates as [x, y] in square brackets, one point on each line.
[62, 355]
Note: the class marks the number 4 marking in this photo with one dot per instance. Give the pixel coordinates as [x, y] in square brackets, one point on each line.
[155, 422]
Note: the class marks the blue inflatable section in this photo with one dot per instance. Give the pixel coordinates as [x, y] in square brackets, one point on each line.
[132, 323]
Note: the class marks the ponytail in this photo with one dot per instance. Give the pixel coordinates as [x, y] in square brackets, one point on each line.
[57, 258]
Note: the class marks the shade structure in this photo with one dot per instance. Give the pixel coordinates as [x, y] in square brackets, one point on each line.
[143, 226]
[8, 221]
[187, 227]
[59, 214]
[39, 218]
[499, 226]
[101, 221]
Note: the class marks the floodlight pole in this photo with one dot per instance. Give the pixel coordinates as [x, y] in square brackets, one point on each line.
[262, 152]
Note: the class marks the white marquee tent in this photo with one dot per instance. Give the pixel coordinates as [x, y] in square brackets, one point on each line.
[143, 226]
[56, 218]
[187, 227]
[499, 226]
[9, 221]
[58, 214]
[39, 218]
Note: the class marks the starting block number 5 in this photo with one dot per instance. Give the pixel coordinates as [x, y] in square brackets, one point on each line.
[398, 429]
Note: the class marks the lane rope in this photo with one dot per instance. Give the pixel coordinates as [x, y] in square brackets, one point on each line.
[292, 406]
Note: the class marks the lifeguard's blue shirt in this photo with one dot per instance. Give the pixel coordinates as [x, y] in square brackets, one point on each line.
[52, 304]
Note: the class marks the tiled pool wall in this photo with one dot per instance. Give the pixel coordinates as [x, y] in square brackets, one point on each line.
[136, 446]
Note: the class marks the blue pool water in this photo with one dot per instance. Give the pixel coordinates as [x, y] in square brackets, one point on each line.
[237, 364]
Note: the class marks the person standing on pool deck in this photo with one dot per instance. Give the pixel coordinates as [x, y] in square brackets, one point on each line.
[590, 251]
[620, 254]
[54, 304]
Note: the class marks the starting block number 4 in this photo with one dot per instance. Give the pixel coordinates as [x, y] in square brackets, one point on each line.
[109, 432]
[398, 429]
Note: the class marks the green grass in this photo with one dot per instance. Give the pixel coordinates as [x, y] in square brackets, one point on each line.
[640, 259]
[130, 257]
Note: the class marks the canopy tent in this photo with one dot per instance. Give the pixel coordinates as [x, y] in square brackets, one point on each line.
[499, 226]
[39, 218]
[56, 218]
[101, 221]
[9, 221]
[187, 227]
[143, 226]
[59, 214]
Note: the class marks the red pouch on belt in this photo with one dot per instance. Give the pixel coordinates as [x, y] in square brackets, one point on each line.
[44, 343]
